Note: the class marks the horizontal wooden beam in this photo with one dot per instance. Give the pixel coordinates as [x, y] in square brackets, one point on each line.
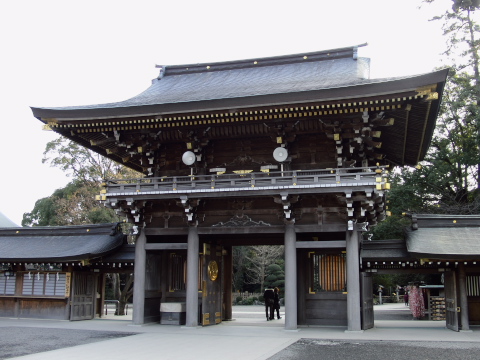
[239, 192]
[321, 244]
[275, 229]
[403, 271]
[166, 246]
[299, 244]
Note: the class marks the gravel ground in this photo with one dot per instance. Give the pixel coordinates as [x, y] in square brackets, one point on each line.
[306, 349]
[18, 341]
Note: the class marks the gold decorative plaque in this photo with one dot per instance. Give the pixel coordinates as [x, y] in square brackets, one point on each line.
[213, 270]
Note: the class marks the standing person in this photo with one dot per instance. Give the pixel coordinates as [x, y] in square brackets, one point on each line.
[269, 296]
[276, 303]
[405, 297]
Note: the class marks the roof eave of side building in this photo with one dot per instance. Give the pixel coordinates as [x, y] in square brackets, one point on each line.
[49, 244]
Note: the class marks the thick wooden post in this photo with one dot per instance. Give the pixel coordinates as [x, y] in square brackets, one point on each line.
[290, 278]
[164, 275]
[138, 316]
[192, 277]
[227, 283]
[463, 301]
[101, 301]
[353, 281]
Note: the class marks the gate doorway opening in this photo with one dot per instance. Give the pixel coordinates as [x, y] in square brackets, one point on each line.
[227, 268]
[447, 297]
[409, 296]
[257, 269]
[116, 295]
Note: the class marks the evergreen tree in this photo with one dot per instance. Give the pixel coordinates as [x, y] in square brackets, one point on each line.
[75, 203]
[448, 180]
[275, 276]
[259, 258]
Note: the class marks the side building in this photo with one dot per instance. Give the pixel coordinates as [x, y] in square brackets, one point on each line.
[59, 272]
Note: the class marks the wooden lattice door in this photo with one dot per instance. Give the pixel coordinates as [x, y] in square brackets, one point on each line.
[212, 285]
[83, 297]
[367, 301]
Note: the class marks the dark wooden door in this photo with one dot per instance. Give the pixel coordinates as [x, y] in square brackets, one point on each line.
[83, 297]
[212, 284]
[367, 301]
[451, 300]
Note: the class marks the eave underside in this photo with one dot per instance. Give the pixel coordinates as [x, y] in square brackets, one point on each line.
[404, 143]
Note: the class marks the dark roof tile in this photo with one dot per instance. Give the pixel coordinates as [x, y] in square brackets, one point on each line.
[56, 244]
[446, 243]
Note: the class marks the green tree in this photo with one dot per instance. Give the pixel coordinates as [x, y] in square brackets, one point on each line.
[275, 276]
[447, 181]
[75, 204]
[462, 32]
[82, 164]
[240, 265]
[43, 214]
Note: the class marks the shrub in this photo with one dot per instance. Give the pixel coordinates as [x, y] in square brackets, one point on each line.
[248, 301]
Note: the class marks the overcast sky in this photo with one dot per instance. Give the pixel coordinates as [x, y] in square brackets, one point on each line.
[62, 53]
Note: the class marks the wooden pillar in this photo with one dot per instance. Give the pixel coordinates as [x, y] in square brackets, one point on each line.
[164, 276]
[101, 301]
[18, 291]
[353, 281]
[227, 283]
[139, 280]
[290, 278]
[192, 277]
[463, 301]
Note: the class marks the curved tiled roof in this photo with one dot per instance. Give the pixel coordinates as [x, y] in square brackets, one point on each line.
[444, 243]
[391, 250]
[235, 79]
[243, 82]
[321, 78]
[57, 244]
[431, 236]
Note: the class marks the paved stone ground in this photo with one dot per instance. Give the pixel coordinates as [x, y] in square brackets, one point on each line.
[306, 349]
[18, 341]
[40, 336]
[398, 312]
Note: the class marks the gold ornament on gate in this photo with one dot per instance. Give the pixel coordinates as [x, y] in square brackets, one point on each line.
[213, 270]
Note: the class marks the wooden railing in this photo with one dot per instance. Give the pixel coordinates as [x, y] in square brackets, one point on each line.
[252, 181]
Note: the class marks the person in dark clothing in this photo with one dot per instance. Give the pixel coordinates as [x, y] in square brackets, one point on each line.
[276, 303]
[269, 297]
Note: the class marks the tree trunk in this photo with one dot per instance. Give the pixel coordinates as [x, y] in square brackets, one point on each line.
[125, 294]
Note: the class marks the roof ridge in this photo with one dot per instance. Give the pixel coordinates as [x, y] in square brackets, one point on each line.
[345, 52]
[87, 229]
